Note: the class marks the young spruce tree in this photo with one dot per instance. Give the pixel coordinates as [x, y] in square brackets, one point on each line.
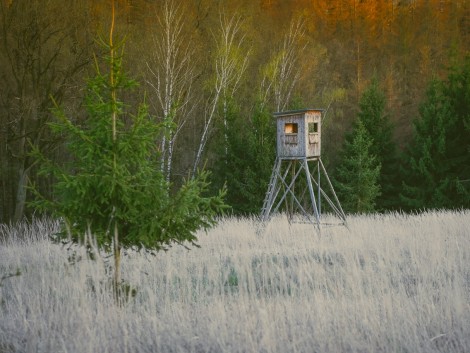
[113, 186]
[357, 176]
[377, 123]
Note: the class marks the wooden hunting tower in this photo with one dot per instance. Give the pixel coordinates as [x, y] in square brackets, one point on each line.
[299, 148]
[299, 133]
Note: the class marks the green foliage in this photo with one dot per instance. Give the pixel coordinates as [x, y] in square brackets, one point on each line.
[366, 177]
[231, 283]
[113, 184]
[357, 177]
[378, 126]
[437, 169]
[246, 168]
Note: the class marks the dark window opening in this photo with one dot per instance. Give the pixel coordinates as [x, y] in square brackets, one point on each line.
[312, 128]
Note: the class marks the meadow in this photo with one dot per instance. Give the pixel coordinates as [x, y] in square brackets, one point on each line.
[391, 283]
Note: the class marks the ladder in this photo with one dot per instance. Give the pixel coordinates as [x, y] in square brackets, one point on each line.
[272, 192]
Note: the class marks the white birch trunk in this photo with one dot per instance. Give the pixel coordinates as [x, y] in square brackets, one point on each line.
[171, 76]
[229, 66]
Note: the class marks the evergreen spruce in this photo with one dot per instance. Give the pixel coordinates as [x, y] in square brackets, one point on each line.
[113, 187]
[357, 177]
[377, 123]
[247, 166]
[437, 170]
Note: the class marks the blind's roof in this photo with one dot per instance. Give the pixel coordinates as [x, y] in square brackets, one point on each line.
[295, 112]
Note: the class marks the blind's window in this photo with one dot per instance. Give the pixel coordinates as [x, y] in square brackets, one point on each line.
[291, 128]
[312, 128]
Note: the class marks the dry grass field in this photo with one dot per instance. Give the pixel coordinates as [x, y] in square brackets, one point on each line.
[392, 283]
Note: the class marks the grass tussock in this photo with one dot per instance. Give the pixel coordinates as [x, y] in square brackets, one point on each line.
[393, 283]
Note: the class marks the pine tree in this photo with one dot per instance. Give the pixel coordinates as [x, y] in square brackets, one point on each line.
[377, 123]
[357, 176]
[113, 187]
[437, 170]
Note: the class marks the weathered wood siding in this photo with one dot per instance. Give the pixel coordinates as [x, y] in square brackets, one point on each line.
[302, 140]
[290, 144]
[313, 138]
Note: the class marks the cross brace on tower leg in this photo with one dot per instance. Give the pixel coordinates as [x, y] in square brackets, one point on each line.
[295, 187]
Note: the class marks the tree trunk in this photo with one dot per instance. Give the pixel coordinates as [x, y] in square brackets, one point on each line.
[20, 200]
[5, 187]
[207, 125]
[169, 159]
[21, 194]
[117, 265]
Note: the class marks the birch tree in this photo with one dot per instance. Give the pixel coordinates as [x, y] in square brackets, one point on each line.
[172, 74]
[230, 64]
[283, 71]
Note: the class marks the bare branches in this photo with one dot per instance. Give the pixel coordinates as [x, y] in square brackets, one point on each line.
[230, 63]
[37, 59]
[282, 73]
[171, 76]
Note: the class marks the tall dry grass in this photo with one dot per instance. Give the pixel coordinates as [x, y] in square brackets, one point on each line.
[393, 283]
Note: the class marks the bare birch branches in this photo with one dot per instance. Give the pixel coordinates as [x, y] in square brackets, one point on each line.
[171, 77]
[230, 64]
[283, 71]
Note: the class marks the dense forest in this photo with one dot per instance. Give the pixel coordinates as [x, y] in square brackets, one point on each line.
[393, 77]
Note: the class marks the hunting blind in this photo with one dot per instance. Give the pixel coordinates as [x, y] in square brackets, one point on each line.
[298, 134]
[295, 180]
